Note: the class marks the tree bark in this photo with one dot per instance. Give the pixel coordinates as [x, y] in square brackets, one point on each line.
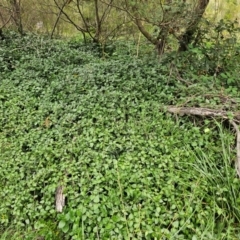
[188, 35]
[1, 35]
[16, 8]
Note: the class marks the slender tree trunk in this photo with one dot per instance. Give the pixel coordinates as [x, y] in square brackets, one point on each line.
[98, 23]
[4, 23]
[59, 15]
[188, 35]
[16, 7]
[1, 34]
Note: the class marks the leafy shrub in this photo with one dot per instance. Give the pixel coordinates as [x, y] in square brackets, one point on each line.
[212, 58]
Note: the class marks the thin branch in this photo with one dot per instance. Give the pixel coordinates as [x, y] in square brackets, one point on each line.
[145, 33]
[106, 11]
[98, 22]
[4, 24]
[58, 17]
[84, 20]
[70, 20]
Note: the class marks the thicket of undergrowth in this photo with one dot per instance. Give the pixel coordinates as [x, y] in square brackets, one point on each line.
[97, 125]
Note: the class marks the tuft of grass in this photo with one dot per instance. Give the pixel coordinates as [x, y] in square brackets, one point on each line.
[223, 185]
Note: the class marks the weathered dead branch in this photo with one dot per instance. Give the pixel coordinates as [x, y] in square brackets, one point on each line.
[59, 199]
[204, 112]
[207, 112]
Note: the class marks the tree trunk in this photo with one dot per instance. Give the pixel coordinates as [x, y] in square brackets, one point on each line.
[188, 35]
[1, 34]
[16, 8]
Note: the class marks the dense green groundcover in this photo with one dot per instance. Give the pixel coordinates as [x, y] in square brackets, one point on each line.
[98, 127]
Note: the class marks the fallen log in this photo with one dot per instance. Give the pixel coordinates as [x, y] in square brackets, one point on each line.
[204, 112]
